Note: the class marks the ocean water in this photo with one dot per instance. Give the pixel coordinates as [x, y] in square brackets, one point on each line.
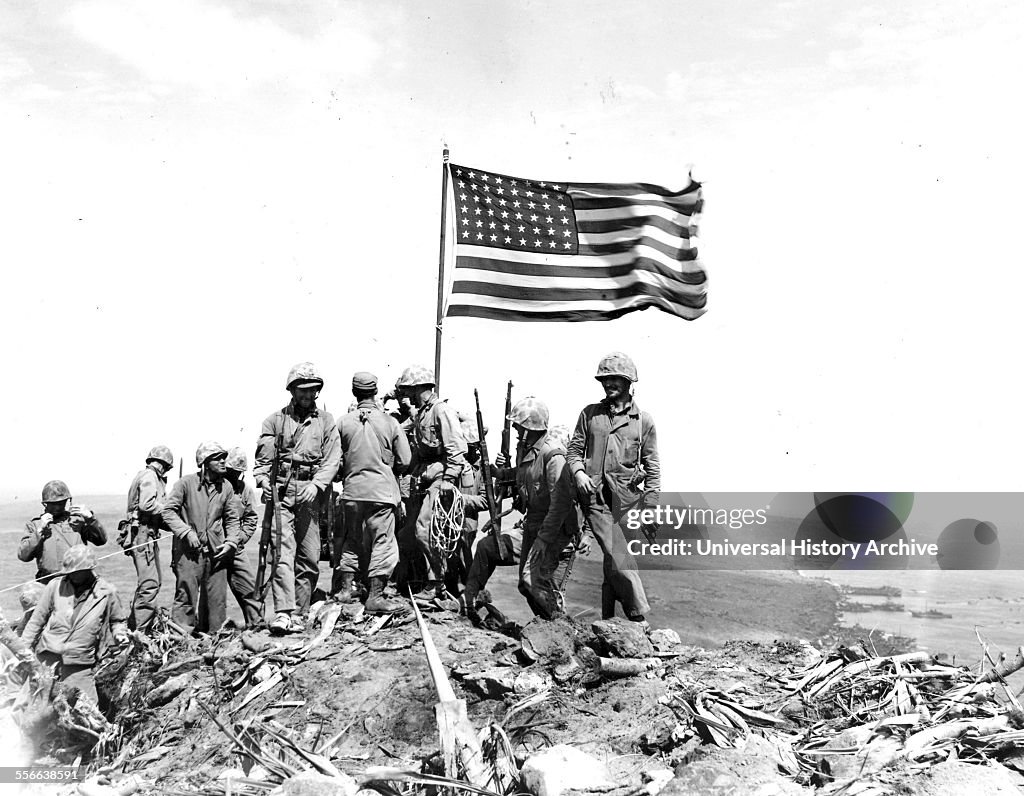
[986, 604]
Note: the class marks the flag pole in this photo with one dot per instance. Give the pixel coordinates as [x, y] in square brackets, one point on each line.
[440, 272]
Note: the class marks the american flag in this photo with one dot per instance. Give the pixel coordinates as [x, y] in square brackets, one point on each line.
[541, 251]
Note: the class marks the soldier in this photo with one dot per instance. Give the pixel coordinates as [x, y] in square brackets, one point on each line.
[141, 529]
[202, 514]
[540, 471]
[48, 536]
[475, 502]
[614, 450]
[374, 449]
[405, 414]
[71, 622]
[304, 440]
[440, 462]
[240, 569]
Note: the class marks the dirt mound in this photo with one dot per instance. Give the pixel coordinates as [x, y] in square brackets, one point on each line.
[357, 695]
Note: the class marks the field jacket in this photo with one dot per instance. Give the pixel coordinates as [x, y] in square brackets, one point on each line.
[613, 448]
[209, 509]
[310, 448]
[374, 450]
[75, 627]
[49, 550]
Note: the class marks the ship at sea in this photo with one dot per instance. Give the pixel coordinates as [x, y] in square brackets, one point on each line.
[875, 591]
[931, 613]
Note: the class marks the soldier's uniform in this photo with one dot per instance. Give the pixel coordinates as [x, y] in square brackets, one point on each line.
[374, 448]
[475, 503]
[310, 453]
[240, 568]
[141, 531]
[73, 620]
[440, 459]
[540, 470]
[198, 505]
[47, 543]
[617, 452]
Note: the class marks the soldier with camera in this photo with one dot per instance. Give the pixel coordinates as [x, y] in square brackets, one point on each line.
[60, 527]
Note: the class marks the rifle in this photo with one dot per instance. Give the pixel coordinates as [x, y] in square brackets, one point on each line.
[493, 506]
[506, 489]
[271, 520]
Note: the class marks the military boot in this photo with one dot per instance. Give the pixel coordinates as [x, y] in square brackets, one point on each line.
[607, 601]
[377, 603]
[343, 583]
[468, 605]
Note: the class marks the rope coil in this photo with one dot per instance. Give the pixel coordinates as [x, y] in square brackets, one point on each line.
[446, 522]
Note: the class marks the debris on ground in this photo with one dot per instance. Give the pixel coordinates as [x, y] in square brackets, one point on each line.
[409, 703]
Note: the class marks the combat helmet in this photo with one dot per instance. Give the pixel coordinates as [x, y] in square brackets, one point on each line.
[531, 413]
[55, 491]
[616, 364]
[161, 453]
[467, 423]
[208, 450]
[561, 434]
[237, 460]
[416, 376]
[78, 558]
[304, 374]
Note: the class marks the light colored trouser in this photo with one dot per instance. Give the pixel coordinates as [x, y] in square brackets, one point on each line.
[200, 589]
[621, 576]
[242, 580]
[147, 570]
[620, 572]
[298, 570]
[369, 545]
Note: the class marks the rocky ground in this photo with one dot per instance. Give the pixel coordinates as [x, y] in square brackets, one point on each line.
[586, 705]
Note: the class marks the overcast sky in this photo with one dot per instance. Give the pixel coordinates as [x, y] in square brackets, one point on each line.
[196, 195]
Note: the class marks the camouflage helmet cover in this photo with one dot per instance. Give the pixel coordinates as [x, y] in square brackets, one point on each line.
[29, 594]
[54, 491]
[207, 450]
[161, 453]
[560, 434]
[78, 558]
[531, 413]
[469, 432]
[237, 460]
[304, 374]
[616, 364]
[415, 376]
